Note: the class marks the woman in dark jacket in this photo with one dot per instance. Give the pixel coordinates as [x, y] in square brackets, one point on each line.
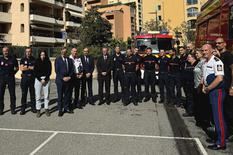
[189, 84]
[42, 71]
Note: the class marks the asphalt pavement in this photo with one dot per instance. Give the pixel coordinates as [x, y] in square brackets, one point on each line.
[147, 129]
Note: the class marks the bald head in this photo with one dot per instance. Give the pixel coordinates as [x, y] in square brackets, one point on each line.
[207, 51]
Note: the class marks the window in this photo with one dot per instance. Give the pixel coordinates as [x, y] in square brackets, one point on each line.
[159, 17]
[22, 28]
[159, 7]
[110, 17]
[192, 12]
[191, 2]
[22, 7]
[192, 24]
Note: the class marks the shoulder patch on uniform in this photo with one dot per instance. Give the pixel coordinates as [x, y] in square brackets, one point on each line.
[219, 68]
[216, 59]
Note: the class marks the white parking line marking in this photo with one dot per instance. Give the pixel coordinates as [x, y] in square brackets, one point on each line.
[198, 142]
[201, 147]
[98, 134]
[43, 144]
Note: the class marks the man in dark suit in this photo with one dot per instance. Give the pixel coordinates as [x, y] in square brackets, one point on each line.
[88, 69]
[64, 69]
[104, 75]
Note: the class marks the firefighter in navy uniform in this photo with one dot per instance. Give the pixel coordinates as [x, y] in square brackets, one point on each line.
[174, 83]
[138, 73]
[130, 66]
[150, 65]
[8, 68]
[118, 74]
[28, 80]
[183, 63]
[213, 80]
[163, 63]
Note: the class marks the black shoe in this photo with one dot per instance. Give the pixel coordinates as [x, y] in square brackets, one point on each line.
[60, 114]
[154, 99]
[79, 106]
[38, 114]
[161, 101]
[13, 112]
[216, 147]
[125, 103]
[146, 99]
[135, 103]
[1, 112]
[108, 102]
[47, 113]
[33, 110]
[69, 111]
[22, 112]
[91, 103]
[101, 102]
[187, 115]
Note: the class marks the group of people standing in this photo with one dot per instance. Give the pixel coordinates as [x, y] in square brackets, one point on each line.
[206, 76]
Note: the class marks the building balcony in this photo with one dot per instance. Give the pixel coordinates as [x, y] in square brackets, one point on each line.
[72, 24]
[5, 38]
[76, 14]
[50, 40]
[44, 1]
[72, 41]
[44, 19]
[74, 7]
[6, 1]
[5, 17]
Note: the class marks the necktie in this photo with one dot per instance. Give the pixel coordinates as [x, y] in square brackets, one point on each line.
[67, 67]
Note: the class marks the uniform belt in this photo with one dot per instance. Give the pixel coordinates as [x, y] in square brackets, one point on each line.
[118, 69]
[29, 75]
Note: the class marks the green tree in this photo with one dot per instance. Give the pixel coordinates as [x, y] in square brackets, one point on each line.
[154, 25]
[95, 30]
[187, 33]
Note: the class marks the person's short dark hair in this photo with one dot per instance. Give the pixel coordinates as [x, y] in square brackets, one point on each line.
[182, 47]
[193, 55]
[63, 48]
[149, 48]
[174, 50]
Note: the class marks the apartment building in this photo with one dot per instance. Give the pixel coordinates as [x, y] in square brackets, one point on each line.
[122, 16]
[174, 12]
[40, 22]
[139, 11]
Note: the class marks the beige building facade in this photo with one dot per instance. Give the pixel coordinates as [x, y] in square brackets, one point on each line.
[40, 22]
[122, 18]
[174, 12]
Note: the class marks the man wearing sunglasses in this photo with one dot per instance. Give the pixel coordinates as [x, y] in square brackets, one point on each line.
[227, 59]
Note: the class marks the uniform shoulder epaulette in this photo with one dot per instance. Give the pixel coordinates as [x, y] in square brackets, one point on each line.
[216, 59]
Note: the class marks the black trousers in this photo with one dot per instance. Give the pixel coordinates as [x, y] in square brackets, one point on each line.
[8, 80]
[77, 86]
[149, 81]
[118, 76]
[64, 91]
[189, 92]
[27, 83]
[87, 87]
[163, 84]
[104, 82]
[174, 86]
[228, 112]
[130, 90]
[202, 108]
[139, 85]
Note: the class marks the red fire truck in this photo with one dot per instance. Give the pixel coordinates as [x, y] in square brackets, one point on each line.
[155, 40]
[215, 20]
